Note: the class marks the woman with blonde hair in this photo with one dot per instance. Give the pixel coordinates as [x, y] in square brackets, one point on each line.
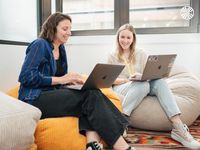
[134, 91]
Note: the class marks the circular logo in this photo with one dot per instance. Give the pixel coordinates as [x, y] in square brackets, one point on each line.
[187, 12]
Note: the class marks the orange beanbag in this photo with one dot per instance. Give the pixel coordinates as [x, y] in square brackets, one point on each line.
[62, 133]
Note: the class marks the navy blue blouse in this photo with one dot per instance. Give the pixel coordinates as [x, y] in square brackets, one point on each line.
[38, 68]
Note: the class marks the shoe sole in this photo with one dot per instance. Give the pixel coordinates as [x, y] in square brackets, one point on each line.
[182, 141]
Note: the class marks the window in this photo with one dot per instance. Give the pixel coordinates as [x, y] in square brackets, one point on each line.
[91, 17]
[90, 14]
[21, 19]
[18, 20]
[155, 13]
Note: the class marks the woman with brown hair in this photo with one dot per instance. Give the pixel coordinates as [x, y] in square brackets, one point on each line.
[43, 76]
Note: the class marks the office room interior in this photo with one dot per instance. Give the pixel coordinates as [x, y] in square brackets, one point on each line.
[162, 27]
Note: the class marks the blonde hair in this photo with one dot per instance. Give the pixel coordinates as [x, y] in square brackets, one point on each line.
[119, 49]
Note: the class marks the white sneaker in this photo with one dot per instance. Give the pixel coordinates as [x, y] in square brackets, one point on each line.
[182, 135]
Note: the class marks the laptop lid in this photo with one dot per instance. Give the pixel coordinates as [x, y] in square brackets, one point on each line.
[102, 76]
[158, 66]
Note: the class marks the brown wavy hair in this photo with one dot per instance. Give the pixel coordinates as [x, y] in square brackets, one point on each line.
[119, 50]
[48, 30]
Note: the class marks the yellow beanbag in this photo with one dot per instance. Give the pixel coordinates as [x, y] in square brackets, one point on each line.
[63, 133]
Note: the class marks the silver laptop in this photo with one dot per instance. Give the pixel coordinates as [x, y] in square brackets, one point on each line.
[102, 76]
[158, 66]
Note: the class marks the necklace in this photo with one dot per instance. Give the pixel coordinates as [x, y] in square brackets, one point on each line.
[129, 66]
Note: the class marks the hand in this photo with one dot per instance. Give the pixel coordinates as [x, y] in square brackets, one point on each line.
[136, 76]
[124, 81]
[72, 78]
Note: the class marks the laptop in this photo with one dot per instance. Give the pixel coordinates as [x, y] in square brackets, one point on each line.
[157, 66]
[102, 76]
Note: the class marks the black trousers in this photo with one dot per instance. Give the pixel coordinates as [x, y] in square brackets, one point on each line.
[95, 111]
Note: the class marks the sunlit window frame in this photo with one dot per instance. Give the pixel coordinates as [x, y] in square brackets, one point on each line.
[194, 26]
[38, 11]
[121, 16]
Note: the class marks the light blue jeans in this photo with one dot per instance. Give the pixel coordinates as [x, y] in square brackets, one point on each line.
[134, 92]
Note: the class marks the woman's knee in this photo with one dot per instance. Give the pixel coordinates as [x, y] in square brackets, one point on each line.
[93, 91]
[143, 87]
[146, 87]
[94, 95]
[159, 83]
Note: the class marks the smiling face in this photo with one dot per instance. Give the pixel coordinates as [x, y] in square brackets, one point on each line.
[125, 39]
[63, 31]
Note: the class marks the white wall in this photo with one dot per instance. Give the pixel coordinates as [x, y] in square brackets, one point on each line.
[85, 52]
[11, 58]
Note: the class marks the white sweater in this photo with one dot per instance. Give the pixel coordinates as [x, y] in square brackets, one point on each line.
[141, 58]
